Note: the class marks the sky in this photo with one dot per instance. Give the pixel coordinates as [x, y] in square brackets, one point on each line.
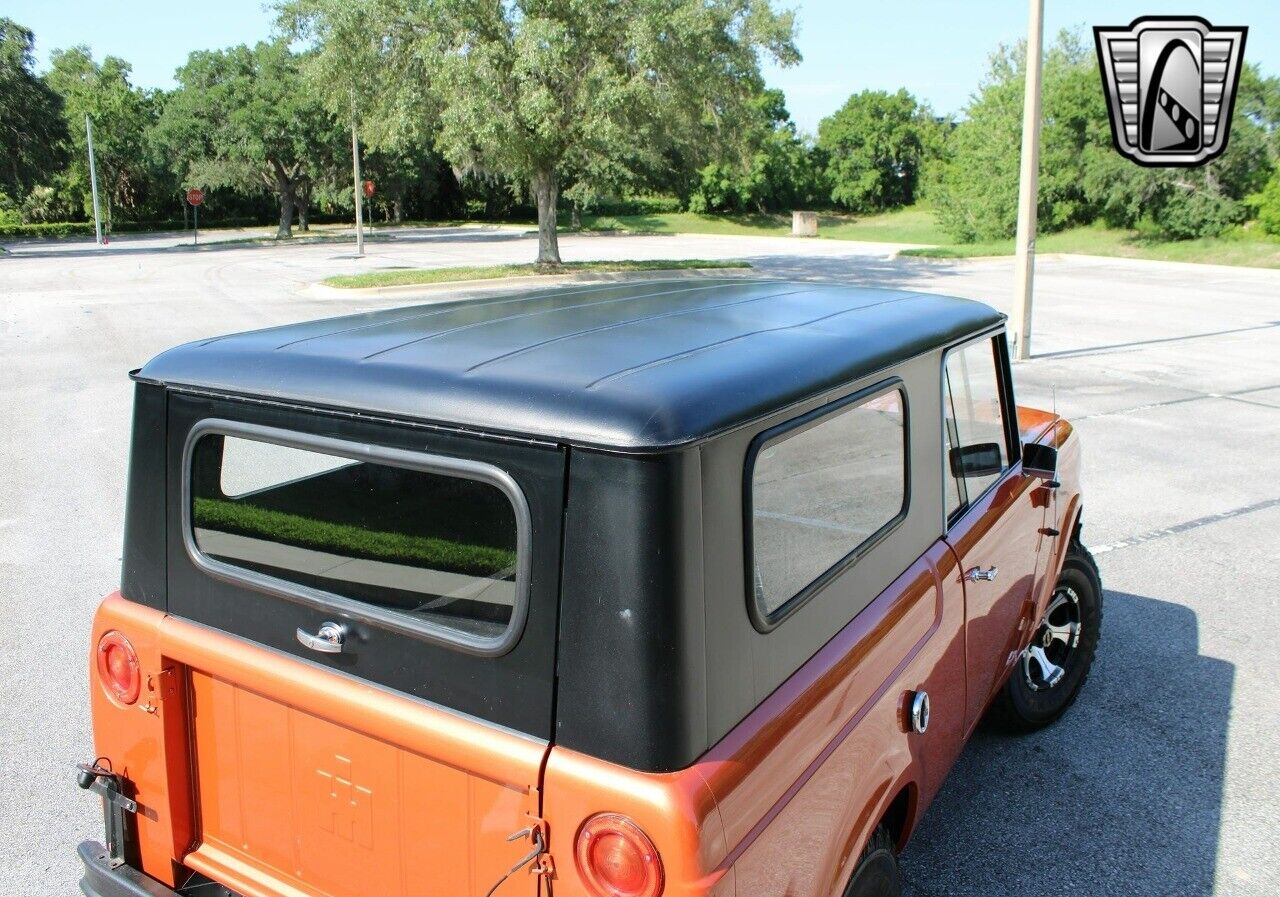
[936, 49]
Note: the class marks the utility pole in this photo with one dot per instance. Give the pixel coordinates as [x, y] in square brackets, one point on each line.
[93, 178]
[1028, 186]
[355, 168]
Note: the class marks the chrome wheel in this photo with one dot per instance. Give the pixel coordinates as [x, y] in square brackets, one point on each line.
[1047, 677]
[1046, 659]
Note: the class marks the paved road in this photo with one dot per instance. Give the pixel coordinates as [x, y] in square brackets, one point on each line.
[1163, 780]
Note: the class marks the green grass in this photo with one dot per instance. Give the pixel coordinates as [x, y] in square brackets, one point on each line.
[1242, 246]
[910, 225]
[420, 276]
[349, 541]
[915, 224]
[1245, 246]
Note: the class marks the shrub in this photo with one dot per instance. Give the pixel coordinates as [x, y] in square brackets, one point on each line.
[85, 228]
[46, 204]
[636, 205]
[1266, 204]
[48, 229]
[8, 210]
[1189, 213]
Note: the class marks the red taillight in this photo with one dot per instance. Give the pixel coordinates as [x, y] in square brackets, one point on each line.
[118, 668]
[617, 859]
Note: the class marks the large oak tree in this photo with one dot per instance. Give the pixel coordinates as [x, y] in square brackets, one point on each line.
[245, 117]
[544, 91]
[32, 132]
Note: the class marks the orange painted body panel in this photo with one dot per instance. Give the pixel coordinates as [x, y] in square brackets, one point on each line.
[1003, 529]
[147, 742]
[807, 776]
[283, 779]
[303, 781]
[782, 804]
[795, 789]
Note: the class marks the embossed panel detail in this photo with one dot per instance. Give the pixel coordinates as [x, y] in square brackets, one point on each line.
[296, 804]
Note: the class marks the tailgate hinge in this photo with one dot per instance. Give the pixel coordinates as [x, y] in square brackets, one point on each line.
[543, 864]
[160, 687]
[537, 860]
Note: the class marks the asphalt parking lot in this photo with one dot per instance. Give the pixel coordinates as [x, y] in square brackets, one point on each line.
[1163, 780]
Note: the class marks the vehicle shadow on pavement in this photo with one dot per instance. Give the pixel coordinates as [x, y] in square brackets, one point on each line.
[1121, 796]
[863, 270]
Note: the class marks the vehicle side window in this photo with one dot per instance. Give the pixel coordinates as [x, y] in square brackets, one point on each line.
[977, 452]
[421, 546]
[822, 488]
[953, 493]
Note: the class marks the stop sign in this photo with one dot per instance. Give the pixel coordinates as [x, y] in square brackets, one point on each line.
[195, 196]
[368, 188]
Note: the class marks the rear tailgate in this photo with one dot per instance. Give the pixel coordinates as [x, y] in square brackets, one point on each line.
[316, 782]
[308, 781]
[395, 754]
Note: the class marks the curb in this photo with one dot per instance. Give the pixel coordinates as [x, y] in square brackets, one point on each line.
[320, 290]
[962, 258]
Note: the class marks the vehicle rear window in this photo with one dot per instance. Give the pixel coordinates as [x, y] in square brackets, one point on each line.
[821, 489]
[420, 548]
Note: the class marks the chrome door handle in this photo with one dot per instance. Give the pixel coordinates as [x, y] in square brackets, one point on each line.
[977, 574]
[920, 712]
[328, 640]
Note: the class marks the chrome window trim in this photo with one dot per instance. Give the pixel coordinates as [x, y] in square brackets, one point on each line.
[950, 521]
[351, 608]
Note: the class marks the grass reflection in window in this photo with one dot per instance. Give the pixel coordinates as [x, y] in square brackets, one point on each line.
[435, 546]
[322, 535]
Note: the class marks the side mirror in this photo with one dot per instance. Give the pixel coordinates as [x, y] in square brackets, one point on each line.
[1040, 461]
[981, 459]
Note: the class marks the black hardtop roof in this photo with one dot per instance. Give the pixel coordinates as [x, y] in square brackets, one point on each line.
[631, 366]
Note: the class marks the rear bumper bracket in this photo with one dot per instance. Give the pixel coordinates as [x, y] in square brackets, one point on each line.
[103, 878]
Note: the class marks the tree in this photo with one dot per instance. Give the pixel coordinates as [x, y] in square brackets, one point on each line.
[975, 187]
[1082, 177]
[246, 118]
[121, 115]
[1258, 99]
[536, 91]
[1182, 203]
[774, 168]
[1266, 203]
[33, 134]
[876, 145]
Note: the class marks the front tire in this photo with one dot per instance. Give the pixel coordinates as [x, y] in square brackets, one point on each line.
[877, 873]
[1048, 676]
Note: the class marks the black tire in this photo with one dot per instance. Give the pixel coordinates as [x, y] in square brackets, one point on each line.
[1027, 702]
[877, 873]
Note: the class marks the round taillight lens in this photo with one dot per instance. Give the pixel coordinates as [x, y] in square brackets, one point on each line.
[118, 668]
[617, 859]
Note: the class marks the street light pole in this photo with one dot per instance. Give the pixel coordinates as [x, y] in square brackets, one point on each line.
[355, 169]
[1028, 186]
[93, 179]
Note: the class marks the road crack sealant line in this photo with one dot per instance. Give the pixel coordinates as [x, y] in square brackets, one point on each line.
[1152, 535]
